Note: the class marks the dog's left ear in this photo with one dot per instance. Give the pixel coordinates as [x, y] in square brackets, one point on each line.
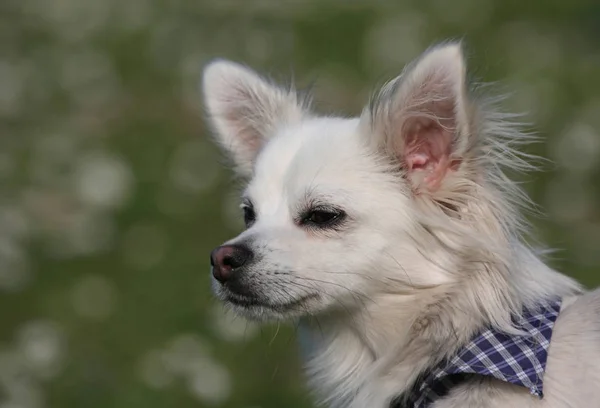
[421, 118]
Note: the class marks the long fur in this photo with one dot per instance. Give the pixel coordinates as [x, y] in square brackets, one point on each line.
[392, 293]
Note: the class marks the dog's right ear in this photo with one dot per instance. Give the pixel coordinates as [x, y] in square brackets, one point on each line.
[245, 110]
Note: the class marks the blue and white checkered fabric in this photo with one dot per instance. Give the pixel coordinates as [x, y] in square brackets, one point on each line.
[517, 359]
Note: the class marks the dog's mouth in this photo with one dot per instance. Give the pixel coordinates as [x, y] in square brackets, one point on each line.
[249, 302]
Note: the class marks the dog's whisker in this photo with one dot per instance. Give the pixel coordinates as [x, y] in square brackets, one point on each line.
[275, 335]
[401, 268]
[327, 295]
[354, 293]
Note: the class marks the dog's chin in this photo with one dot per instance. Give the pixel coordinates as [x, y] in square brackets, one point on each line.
[255, 308]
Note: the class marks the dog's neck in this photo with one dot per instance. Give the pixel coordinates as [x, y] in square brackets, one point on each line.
[392, 336]
[368, 355]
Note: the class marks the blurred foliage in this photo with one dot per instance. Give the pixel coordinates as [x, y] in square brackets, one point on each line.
[111, 194]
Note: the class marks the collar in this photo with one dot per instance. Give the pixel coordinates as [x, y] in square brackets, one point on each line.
[517, 359]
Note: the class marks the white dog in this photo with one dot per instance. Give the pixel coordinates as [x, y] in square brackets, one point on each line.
[396, 239]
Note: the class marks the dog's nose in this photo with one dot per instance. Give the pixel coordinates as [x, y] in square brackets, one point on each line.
[226, 258]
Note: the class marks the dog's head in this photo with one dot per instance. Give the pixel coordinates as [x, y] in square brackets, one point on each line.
[341, 210]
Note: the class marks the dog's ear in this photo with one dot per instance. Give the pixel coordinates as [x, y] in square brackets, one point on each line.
[420, 117]
[245, 110]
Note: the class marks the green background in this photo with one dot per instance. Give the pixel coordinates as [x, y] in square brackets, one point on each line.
[111, 194]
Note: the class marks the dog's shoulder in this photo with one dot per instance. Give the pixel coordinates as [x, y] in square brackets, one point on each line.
[572, 371]
[579, 319]
[573, 367]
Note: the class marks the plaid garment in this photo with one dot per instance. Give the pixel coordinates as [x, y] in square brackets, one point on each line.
[517, 359]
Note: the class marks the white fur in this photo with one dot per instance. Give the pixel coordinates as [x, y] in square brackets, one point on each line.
[418, 266]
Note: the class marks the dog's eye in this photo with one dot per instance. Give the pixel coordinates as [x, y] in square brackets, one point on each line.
[322, 218]
[249, 215]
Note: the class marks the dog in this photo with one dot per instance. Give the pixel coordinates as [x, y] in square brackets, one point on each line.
[397, 243]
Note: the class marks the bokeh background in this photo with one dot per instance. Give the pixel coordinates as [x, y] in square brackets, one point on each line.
[111, 194]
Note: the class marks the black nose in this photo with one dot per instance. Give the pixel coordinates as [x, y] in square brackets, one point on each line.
[226, 258]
